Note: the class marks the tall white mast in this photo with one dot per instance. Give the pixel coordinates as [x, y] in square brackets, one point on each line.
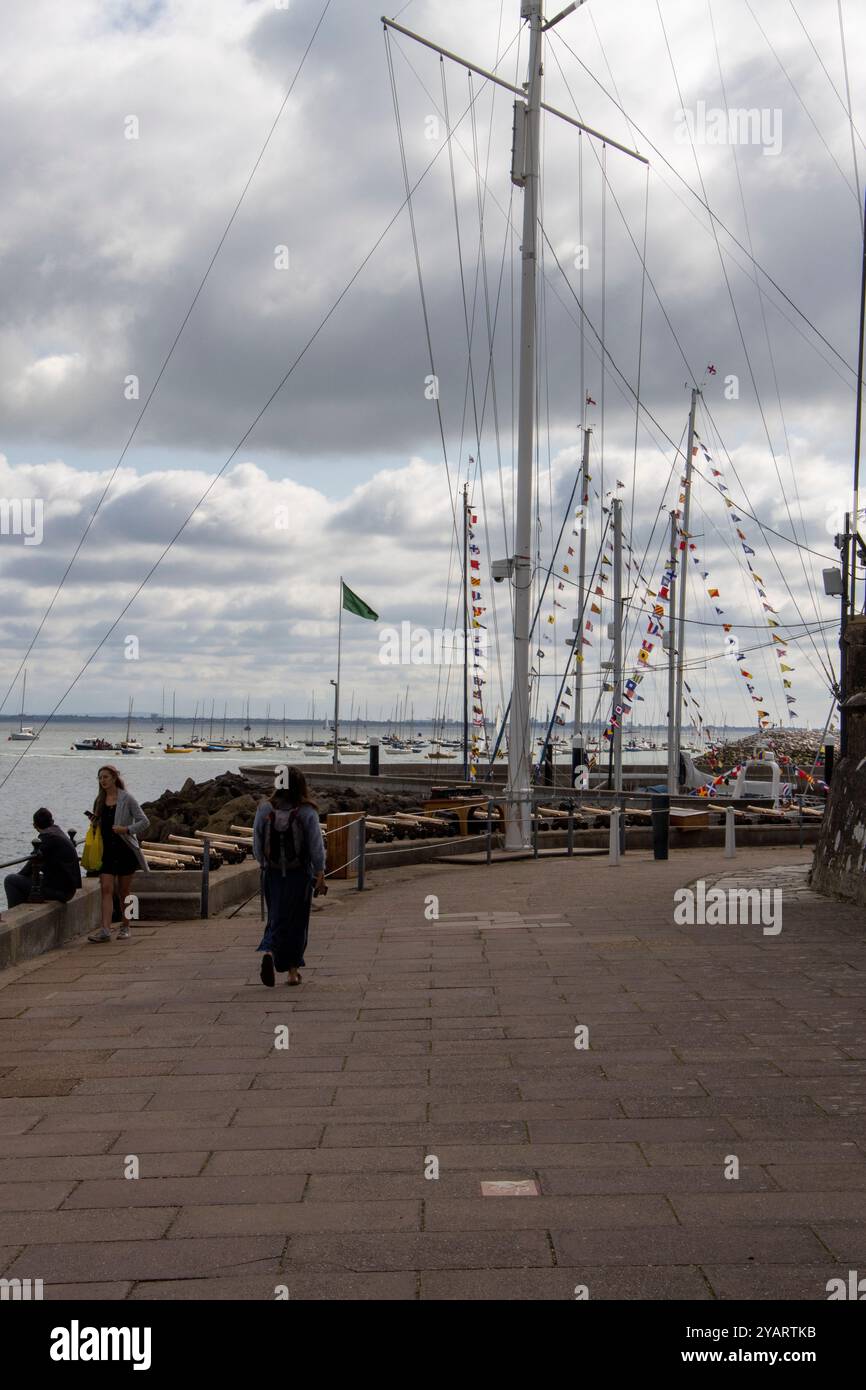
[518, 793]
[518, 568]
[581, 598]
[682, 579]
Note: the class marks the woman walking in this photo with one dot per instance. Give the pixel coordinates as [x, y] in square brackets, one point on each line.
[287, 842]
[120, 820]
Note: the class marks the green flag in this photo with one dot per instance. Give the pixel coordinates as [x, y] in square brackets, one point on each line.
[356, 605]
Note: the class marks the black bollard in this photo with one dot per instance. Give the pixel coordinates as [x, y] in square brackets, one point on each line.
[374, 757]
[577, 755]
[661, 822]
[548, 765]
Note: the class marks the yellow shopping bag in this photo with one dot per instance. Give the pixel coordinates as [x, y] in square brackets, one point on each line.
[91, 857]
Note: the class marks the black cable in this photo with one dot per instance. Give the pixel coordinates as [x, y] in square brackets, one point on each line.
[776, 286]
[309, 343]
[166, 359]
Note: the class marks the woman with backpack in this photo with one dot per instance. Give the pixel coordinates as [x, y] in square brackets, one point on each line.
[288, 844]
[120, 820]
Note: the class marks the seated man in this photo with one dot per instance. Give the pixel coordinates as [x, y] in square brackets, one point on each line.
[53, 869]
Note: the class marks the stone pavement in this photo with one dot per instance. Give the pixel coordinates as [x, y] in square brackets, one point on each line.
[449, 1044]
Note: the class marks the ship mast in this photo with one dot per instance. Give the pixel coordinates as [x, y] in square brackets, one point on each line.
[518, 568]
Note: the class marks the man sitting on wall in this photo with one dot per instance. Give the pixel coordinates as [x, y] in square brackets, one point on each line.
[52, 873]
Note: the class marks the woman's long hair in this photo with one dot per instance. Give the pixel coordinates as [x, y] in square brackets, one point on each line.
[297, 793]
[119, 783]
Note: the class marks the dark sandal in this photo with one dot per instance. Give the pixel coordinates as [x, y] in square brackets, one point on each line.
[267, 971]
[294, 982]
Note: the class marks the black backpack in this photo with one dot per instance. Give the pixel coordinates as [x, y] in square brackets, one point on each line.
[285, 842]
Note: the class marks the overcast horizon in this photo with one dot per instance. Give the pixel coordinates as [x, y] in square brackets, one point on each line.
[130, 128]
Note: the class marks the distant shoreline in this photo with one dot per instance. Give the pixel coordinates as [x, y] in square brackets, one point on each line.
[539, 727]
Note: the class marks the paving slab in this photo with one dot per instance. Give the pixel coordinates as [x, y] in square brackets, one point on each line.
[554, 1028]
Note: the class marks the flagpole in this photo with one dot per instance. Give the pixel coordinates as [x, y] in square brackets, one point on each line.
[336, 683]
[518, 789]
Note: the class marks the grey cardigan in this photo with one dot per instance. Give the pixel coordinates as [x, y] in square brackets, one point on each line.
[130, 814]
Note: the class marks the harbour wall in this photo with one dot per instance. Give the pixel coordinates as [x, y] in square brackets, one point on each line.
[840, 858]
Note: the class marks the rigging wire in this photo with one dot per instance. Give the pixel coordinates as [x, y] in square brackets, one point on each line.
[491, 326]
[810, 576]
[168, 356]
[839, 96]
[728, 285]
[714, 215]
[735, 312]
[796, 92]
[323, 322]
[851, 117]
[490, 381]
[421, 290]
[640, 350]
[648, 413]
[827, 670]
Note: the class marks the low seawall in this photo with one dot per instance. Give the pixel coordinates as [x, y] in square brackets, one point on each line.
[34, 928]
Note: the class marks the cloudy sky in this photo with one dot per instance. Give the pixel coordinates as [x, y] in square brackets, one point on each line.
[130, 130]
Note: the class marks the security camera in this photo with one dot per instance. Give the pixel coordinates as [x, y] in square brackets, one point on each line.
[501, 569]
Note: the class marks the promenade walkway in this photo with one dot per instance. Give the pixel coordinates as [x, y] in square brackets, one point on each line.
[419, 1045]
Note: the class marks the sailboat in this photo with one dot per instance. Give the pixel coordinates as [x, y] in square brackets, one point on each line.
[25, 732]
[174, 747]
[312, 741]
[129, 745]
[265, 741]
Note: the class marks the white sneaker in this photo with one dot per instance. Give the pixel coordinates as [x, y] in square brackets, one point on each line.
[102, 935]
[123, 932]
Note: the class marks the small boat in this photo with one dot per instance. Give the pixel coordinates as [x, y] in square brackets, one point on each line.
[24, 733]
[95, 745]
[129, 745]
[170, 748]
[438, 754]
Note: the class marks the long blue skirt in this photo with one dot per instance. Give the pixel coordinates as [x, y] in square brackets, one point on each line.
[289, 899]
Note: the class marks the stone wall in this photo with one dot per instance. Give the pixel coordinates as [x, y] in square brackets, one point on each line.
[840, 857]
[34, 928]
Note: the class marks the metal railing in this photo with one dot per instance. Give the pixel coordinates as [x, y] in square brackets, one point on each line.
[661, 806]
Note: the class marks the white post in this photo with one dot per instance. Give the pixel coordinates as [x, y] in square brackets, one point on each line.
[614, 856]
[518, 793]
[683, 581]
[730, 834]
